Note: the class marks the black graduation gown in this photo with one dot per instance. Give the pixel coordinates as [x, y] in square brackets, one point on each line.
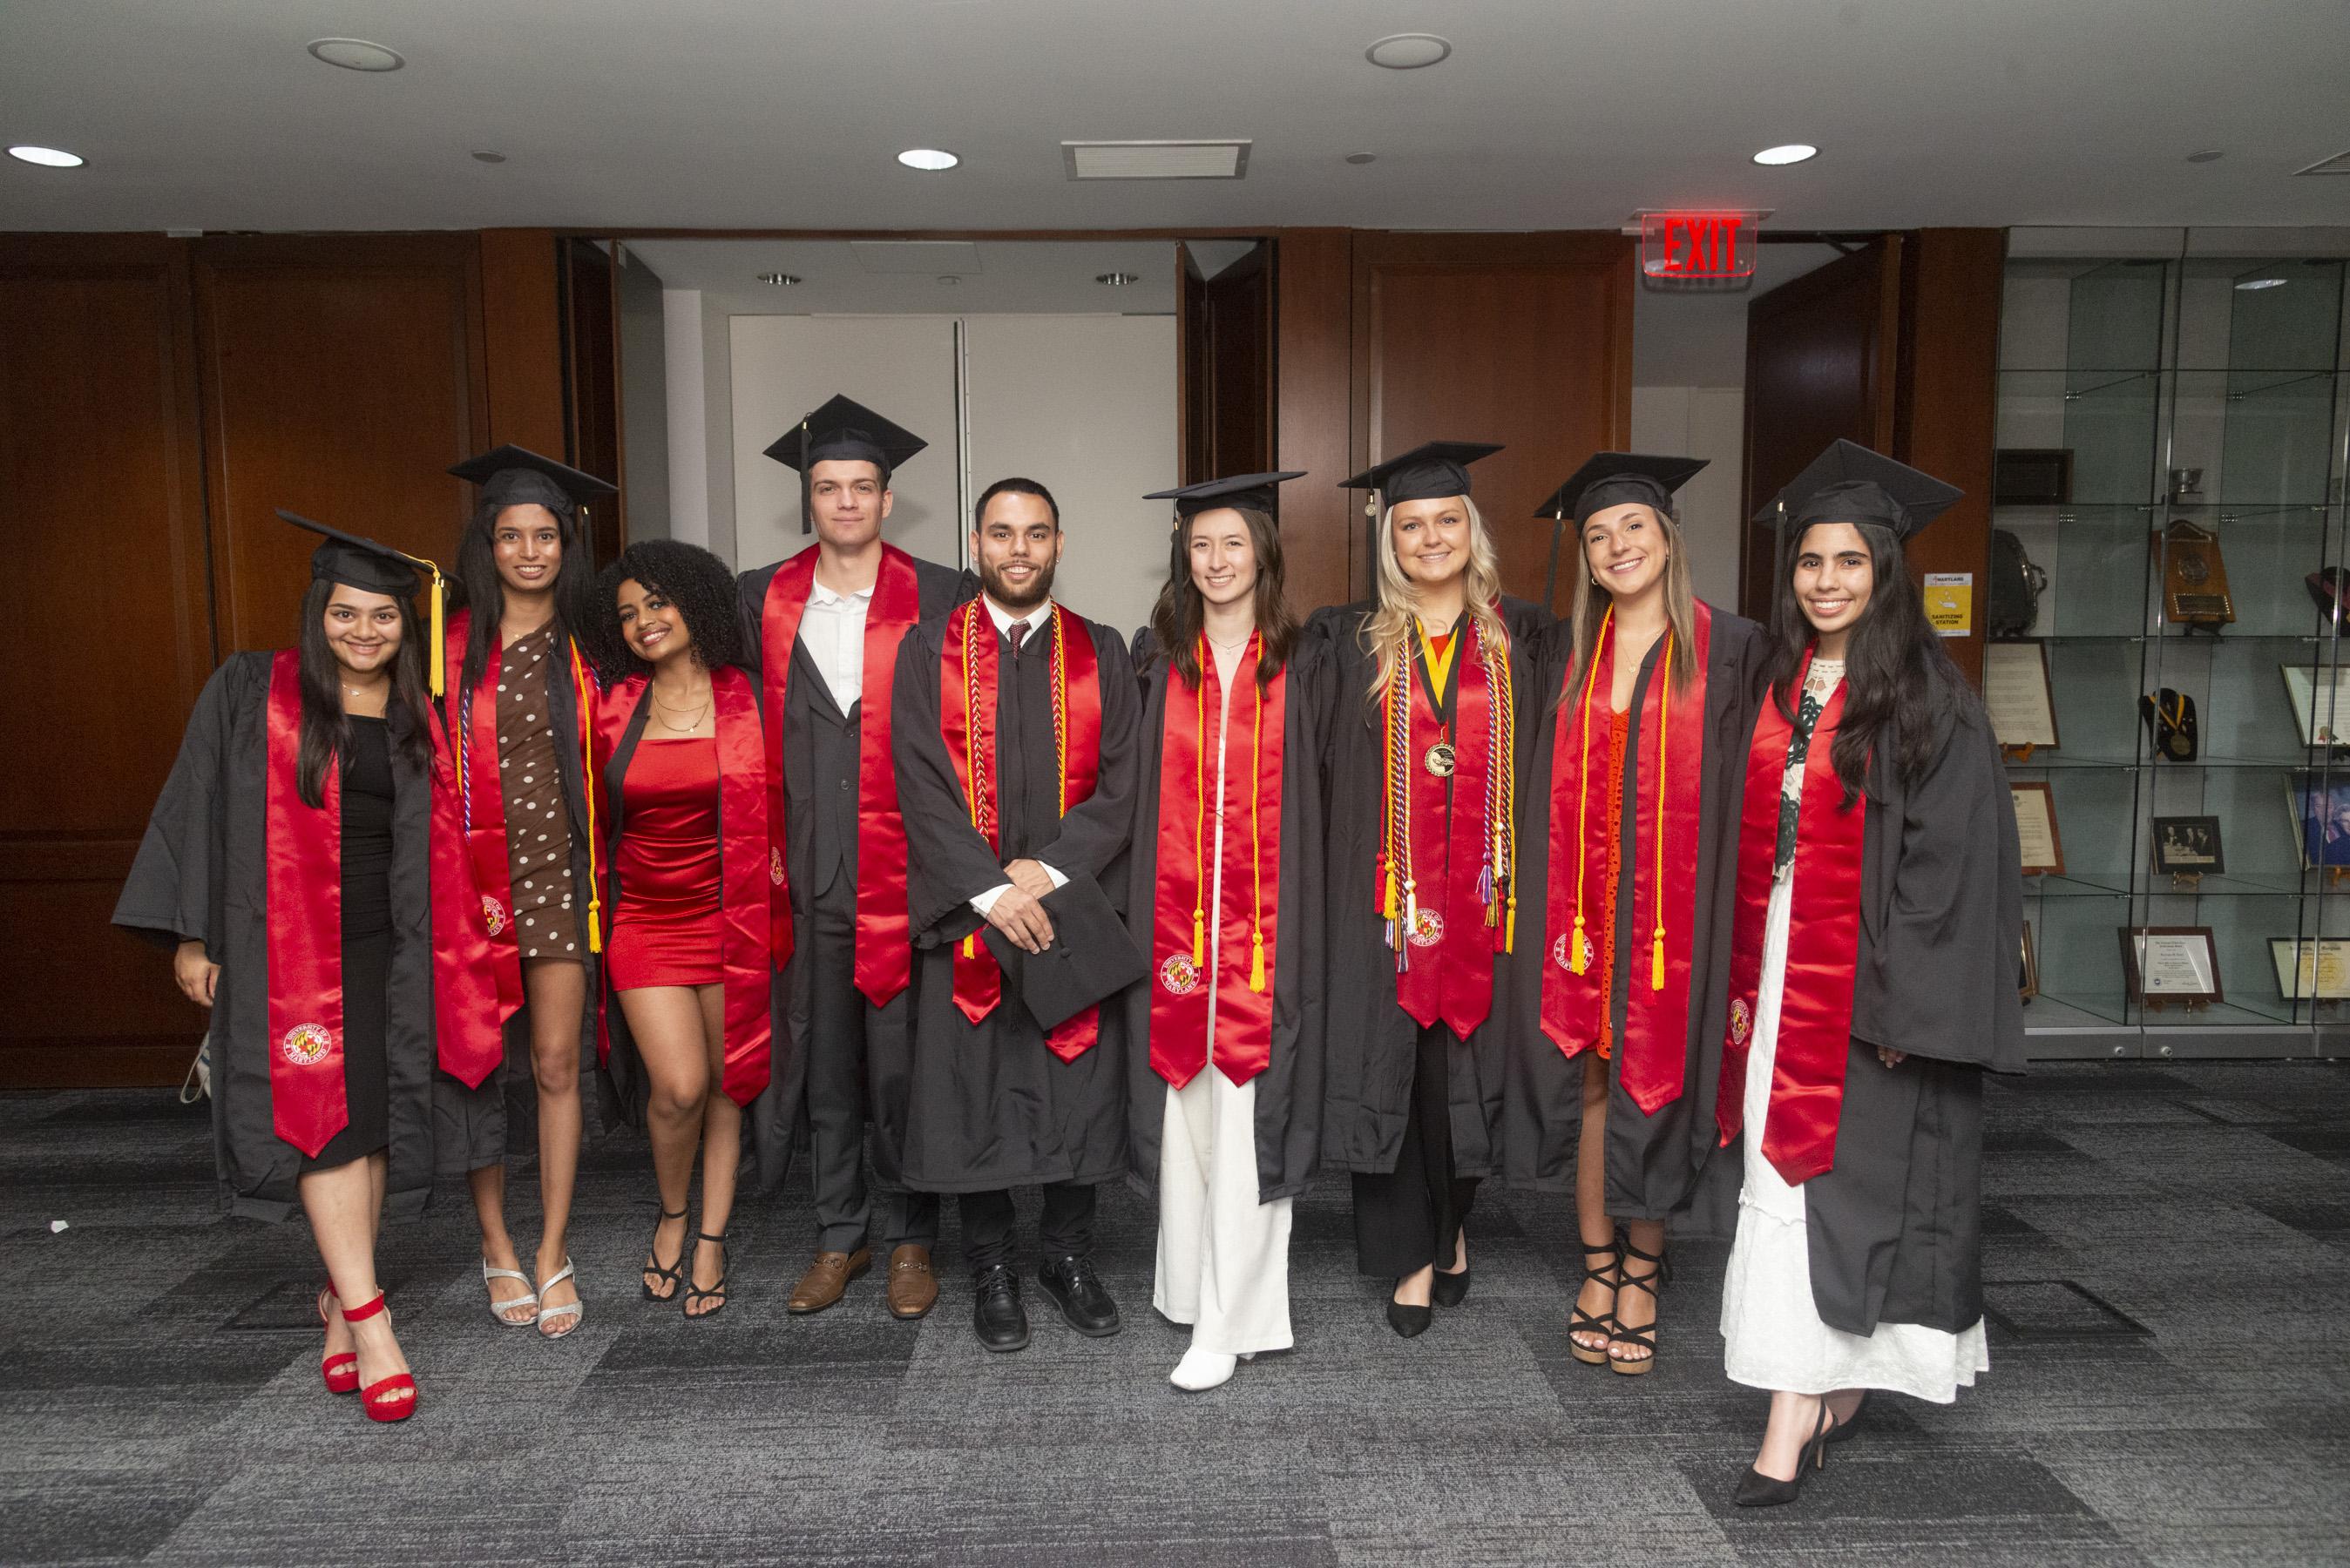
[1289, 1090]
[1652, 1161]
[200, 875]
[1894, 1229]
[988, 1104]
[1372, 1042]
[820, 801]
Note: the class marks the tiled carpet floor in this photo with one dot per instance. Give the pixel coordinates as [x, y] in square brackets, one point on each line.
[2169, 1247]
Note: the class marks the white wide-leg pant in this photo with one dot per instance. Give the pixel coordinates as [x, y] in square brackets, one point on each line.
[1224, 1257]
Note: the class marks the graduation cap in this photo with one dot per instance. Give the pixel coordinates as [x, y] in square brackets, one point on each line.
[1255, 492]
[516, 476]
[374, 568]
[1434, 469]
[842, 432]
[1092, 957]
[1613, 479]
[1850, 483]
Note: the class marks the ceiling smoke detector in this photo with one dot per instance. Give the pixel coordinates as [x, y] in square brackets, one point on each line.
[356, 55]
[1409, 51]
[1156, 160]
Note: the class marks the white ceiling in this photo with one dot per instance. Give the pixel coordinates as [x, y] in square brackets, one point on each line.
[1013, 276]
[761, 114]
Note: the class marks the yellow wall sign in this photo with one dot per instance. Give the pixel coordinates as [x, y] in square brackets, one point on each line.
[1950, 602]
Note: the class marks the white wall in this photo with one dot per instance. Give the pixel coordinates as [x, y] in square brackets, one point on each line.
[687, 416]
[1707, 422]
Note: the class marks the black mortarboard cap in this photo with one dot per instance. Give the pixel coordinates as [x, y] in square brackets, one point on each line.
[1255, 492]
[842, 431]
[1425, 472]
[1850, 483]
[376, 568]
[1092, 957]
[1619, 478]
[516, 476]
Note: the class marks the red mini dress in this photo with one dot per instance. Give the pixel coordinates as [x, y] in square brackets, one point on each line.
[667, 929]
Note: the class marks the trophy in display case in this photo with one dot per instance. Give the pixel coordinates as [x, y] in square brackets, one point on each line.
[2194, 579]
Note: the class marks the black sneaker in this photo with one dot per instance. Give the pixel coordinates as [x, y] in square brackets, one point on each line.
[1072, 1282]
[996, 1315]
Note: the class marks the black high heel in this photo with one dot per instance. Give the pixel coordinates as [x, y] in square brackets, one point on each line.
[716, 1292]
[1410, 1322]
[1756, 1490]
[652, 1271]
[1450, 1290]
[1850, 1424]
[1581, 1321]
[1638, 1338]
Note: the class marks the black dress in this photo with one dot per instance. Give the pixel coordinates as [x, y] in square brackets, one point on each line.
[367, 945]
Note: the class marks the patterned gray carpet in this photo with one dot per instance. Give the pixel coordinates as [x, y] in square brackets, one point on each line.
[2171, 1383]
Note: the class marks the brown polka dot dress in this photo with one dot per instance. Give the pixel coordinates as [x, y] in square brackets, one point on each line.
[538, 827]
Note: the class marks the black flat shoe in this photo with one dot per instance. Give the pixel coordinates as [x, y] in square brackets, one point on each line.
[1850, 1424]
[1084, 1300]
[1449, 1290]
[1410, 1322]
[1756, 1490]
[997, 1315]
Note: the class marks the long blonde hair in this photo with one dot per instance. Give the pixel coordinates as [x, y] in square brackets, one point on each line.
[1592, 601]
[1386, 631]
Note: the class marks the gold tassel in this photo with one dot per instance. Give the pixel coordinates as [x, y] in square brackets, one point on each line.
[970, 946]
[1656, 961]
[439, 678]
[1575, 944]
[1257, 963]
[1387, 899]
[1199, 938]
[1510, 928]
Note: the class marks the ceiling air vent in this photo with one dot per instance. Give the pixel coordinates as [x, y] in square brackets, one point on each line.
[2337, 164]
[1156, 160]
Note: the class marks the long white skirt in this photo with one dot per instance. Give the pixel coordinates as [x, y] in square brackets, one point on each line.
[1775, 1338]
[1224, 1257]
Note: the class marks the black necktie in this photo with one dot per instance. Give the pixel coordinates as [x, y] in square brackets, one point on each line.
[1016, 631]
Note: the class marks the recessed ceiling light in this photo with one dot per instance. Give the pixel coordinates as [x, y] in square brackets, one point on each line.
[2208, 155]
[1408, 51]
[930, 160]
[486, 156]
[780, 279]
[1117, 279]
[2251, 282]
[1793, 152]
[357, 55]
[948, 280]
[1362, 158]
[46, 157]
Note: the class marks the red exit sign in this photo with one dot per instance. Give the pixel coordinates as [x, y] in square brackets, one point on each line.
[1698, 244]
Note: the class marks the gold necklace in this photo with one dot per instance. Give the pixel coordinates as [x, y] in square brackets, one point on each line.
[661, 711]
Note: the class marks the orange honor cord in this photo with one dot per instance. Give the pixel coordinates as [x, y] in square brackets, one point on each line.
[582, 713]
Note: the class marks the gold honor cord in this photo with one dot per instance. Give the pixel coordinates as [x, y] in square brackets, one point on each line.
[587, 789]
[1256, 842]
[1576, 959]
[1664, 738]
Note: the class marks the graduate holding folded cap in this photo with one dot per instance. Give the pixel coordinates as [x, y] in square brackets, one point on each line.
[1226, 893]
[1016, 727]
[306, 866]
[1878, 913]
[517, 686]
[821, 633]
[1630, 826]
[1425, 752]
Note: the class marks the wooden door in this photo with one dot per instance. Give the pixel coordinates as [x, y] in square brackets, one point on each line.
[340, 376]
[591, 318]
[1821, 355]
[1525, 339]
[101, 461]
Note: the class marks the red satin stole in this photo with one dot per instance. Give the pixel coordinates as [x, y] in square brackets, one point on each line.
[884, 947]
[1203, 748]
[746, 859]
[303, 893]
[1586, 780]
[1436, 877]
[968, 679]
[1823, 946]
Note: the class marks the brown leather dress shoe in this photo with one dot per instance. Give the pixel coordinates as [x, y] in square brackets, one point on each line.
[913, 1288]
[827, 1278]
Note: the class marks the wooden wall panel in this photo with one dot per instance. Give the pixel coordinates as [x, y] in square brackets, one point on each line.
[99, 462]
[522, 324]
[342, 374]
[1314, 425]
[1525, 339]
[1945, 416]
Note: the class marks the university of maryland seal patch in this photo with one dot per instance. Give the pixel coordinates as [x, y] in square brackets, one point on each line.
[775, 866]
[307, 1044]
[494, 915]
[1427, 929]
[1179, 975]
[1742, 1021]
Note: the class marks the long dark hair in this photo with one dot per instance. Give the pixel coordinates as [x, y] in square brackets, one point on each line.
[1898, 679]
[326, 730]
[482, 592]
[697, 583]
[1177, 618]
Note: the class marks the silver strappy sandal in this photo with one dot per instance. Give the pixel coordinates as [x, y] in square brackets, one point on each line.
[576, 1310]
[499, 1309]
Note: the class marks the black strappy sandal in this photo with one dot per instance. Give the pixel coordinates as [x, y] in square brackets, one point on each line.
[1640, 1339]
[652, 1268]
[716, 1292]
[1581, 1321]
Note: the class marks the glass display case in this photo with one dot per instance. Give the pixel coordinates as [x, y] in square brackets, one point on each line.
[2172, 433]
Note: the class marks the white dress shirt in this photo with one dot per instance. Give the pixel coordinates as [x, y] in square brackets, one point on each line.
[833, 628]
[1004, 618]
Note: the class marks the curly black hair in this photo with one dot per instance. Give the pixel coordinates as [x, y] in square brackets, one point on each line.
[697, 583]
